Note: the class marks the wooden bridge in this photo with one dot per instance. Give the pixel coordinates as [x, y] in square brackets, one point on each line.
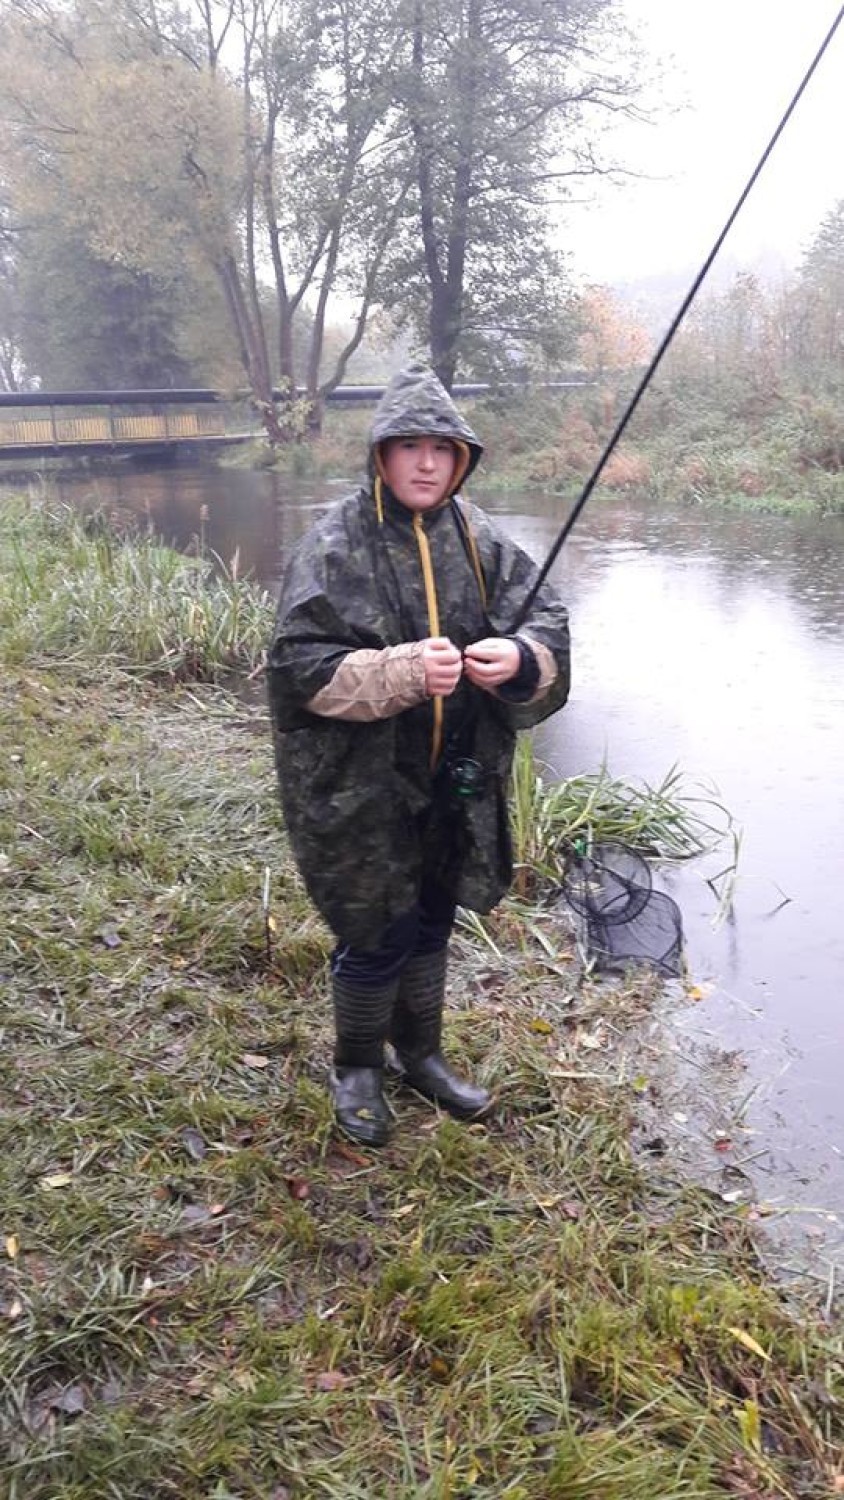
[39, 424]
[46, 423]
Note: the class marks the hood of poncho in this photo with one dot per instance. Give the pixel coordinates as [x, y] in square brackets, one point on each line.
[417, 404]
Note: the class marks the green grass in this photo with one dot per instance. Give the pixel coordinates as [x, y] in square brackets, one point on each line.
[668, 823]
[204, 1293]
[72, 590]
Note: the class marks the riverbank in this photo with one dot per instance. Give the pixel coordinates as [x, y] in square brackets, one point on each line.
[681, 448]
[201, 1286]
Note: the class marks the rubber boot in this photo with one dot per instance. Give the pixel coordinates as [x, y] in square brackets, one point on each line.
[362, 1019]
[417, 1035]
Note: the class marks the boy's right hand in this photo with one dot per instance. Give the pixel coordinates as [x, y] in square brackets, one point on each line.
[443, 664]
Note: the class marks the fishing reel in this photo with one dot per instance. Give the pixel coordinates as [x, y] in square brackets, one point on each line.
[466, 779]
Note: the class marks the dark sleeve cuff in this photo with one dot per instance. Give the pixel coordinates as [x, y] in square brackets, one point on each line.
[523, 686]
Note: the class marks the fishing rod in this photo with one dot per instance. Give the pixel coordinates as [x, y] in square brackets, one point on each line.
[672, 329]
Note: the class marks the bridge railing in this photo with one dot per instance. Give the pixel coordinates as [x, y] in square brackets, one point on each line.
[49, 420]
[110, 424]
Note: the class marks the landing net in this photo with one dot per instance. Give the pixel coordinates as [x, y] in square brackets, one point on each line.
[625, 921]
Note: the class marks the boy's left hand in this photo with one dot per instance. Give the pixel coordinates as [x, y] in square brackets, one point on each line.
[491, 662]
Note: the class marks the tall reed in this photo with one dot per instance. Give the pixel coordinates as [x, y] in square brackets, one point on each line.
[74, 589]
[668, 822]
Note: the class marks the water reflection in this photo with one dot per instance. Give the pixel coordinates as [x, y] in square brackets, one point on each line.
[710, 640]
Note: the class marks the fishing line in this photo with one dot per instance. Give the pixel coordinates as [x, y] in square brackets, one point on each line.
[675, 324]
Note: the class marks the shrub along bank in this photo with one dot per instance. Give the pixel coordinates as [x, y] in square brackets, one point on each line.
[687, 444]
[203, 1292]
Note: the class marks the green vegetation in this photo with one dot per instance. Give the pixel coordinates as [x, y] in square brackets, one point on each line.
[691, 442]
[73, 591]
[203, 1293]
[667, 822]
[688, 445]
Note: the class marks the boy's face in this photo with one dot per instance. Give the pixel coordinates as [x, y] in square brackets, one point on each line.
[419, 470]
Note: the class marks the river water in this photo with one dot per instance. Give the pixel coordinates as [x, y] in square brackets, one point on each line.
[706, 639]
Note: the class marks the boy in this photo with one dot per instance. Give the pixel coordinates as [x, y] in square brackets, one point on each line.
[396, 693]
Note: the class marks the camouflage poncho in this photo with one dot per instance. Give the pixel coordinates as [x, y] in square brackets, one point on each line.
[364, 808]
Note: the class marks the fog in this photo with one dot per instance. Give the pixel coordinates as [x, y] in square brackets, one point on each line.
[720, 77]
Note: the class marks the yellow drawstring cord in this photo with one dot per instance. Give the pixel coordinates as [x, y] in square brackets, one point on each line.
[433, 625]
[462, 464]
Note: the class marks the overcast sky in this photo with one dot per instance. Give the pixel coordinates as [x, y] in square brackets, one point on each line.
[730, 69]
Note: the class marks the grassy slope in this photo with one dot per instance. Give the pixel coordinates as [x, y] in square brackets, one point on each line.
[204, 1293]
[687, 446]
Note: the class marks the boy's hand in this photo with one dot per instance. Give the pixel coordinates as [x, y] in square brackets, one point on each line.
[443, 666]
[491, 662]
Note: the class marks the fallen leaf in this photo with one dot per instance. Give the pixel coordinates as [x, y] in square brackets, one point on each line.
[12, 1246]
[590, 1040]
[255, 1060]
[331, 1380]
[57, 1180]
[195, 1213]
[194, 1144]
[70, 1401]
[749, 1342]
[490, 978]
[543, 1028]
[440, 1368]
[340, 1148]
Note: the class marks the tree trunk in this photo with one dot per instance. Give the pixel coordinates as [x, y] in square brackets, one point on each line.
[252, 350]
[443, 334]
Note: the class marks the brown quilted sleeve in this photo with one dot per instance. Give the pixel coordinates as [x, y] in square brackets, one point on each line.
[372, 685]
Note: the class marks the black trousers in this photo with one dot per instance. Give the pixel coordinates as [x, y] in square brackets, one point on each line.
[426, 928]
